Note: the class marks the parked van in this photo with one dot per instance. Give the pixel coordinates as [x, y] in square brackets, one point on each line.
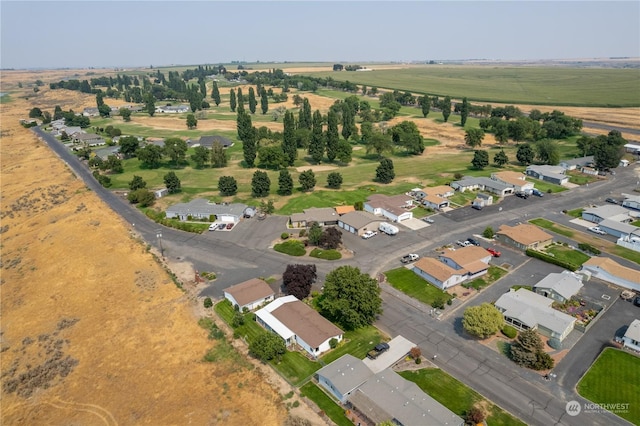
[388, 228]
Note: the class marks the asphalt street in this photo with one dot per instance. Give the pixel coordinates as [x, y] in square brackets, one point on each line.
[245, 253]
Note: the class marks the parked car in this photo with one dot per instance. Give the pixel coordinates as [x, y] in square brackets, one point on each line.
[472, 241]
[522, 194]
[636, 301]
[463, 243]
[597, 230]
[427, 219]
[229, 225]
[612, 200]
[494, 252]
[379, 349]
[213, 227]
[476, 206]
[409, 258]
[221, 226]
[537, 193]
[369, 234]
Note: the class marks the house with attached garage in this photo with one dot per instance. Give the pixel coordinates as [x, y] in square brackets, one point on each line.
[299, 324]
[201, 208]
[435, 202]
[552, 174]
[250, 294]
[523, 237]
[576, 163]
[470, 183]
[472, 259]
[559, 286]
[88, 139]
[324, 216]
[343, 376]
[443, 191]
[357, 222]
[631, 201]
[438, 273]
[631, 338]
[395, 208]
[513, 179]
[524, 310]
[608, 211]
[612, 272]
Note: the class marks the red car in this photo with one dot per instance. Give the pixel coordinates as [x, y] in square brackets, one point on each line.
[494, 252]
[230, 225]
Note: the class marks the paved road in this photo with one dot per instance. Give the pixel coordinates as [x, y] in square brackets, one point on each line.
[244, 253]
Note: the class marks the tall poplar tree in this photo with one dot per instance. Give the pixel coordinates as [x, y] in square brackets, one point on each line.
[304, 121]
[348, 121]
[240, 99]
[316, 145]
[464, 112]
[289, 145]
[249, 147]
[215, 93]
[332, 135]
[445, 105]
[264, 101]
[232, 100]
[252, 101]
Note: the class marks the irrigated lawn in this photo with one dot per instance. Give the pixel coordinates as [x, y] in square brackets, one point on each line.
[575, 212]
[547, 224]
[326, 404]
[614, 378]
[493, 275]
[356, 343]
[412, 285]
[456, 396]
[295, 367]
[568, 255]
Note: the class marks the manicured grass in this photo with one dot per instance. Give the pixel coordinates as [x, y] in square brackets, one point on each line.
[456, 396]
[547, 224]
[575, 212]
[291, 247]
[614, 378]
[325, 254]
[295, 367]
[546, 186]
[580, 178]
[568, 255]
[628, 254]
[412, 285]
[357, 343]
[326, 404]
[463, 198]
[636, 223]
[493, 275]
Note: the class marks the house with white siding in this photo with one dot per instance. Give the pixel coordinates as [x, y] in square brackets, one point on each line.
[631, 338]
[395, 208]
[250, 294]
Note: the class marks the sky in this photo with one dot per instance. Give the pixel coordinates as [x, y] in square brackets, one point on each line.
[56, 34]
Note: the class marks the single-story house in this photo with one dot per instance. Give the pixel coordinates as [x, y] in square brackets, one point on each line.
[559, 286]
[553, 174]
[523, 236]
[91, 112]
[250, 294]
[524, 309]
[103, 153]
[388, 397]
[617, 229]
[200, 208]
[631, 201]
[611, 271]
[514, 179]
[343, 376]
[439, 273]
[608, 211]
[470, 183]
[357, 222]
[88, 139]
[435, 202]
[325, 216]
[298, 323]
[71, 131]
[170, 109]
[155, 141]
[341, 210]
[631, 338]
[482, 200]
[209, 141]
[576, 163]
[399, 347]
[443, 191]
[473, 259]
[395, 208]
[632, 148]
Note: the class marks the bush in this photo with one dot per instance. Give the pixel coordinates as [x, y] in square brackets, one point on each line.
[284, 235]
[488, 232]
[555, 344]
[438, 303]
[418, 360]
[208, 302]
[302, 233]
[509, 331]
[333, 343]
[449, 302]
[325, 254]
[238, 320]
[588, 248]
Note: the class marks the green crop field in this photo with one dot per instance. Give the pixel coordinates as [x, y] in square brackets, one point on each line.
[528, 85]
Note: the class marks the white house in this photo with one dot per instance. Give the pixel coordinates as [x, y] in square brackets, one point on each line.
[631, 201]
[470, 183]
[249, 294]
[395, 208]
[201, 208]
[472, 259]
[298, 323]
[170, 109]
[631, 338]
[438, 273]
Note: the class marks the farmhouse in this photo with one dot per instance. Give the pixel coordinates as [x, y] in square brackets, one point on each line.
[553, 174]
[200, 208]
[88, 139]
[631, 338]
[439, 273]
[611, 271]
[469, 183]
[559, 286]
[249, 294]
[523, 237]
[298, 323]
[524, 309]
[358, 222]
[343, 376]
[394, 208]
[325, 216]
[513, 179]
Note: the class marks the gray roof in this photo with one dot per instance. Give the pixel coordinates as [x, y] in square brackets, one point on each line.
[555, 172]
[103, 153]
[581, 161]
[389, 394]
[208, 141]
[359, 219]
[633, 332]
[203, 206]
[606, 211]
[482, 181]
[399, 347]
[324, 214]
[87, 136]
[625, 228]
[564, 283]
[533, 309]
[346, 373]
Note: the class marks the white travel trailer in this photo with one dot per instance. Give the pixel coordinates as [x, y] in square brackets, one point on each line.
[388, 228]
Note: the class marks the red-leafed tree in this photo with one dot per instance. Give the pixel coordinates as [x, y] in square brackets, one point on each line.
[297, 280]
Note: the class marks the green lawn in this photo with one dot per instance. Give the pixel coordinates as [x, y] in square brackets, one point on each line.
[295, 367]
[547, 224]
[291, 247]
[456, 396]
[412, 285]
[326, 404]
[357, 343]
[325, 254]
[575, 212]
[568, 255]
[546, 186]
[614, 378]
[493, 275]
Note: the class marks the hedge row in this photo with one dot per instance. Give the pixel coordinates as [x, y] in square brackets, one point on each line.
[550, 259]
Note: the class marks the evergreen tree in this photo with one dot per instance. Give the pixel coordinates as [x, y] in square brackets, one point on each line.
[264, 101]
[307, 180]
[480, 159]
[57, 113]
[332, 137]
[260, 184]
[172, 182]
[149, 104]
[285, 183]
[244, 125]
[252, 101]
[464, 112]
[316, 144]
[425, 105]
[501, 158]
[385, 172]
[289, 145]
[232, 100]
[334, 180]
[227, 185]
[240, 99]
[348, 121]
[250, 147]
[305, 120]
[215, 93]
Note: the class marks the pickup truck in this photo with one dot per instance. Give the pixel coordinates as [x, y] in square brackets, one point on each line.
[378, 350]
[409, 258]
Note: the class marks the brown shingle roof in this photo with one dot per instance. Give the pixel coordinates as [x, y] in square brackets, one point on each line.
[344, 209]
[438, 270]
[250, 291]
[438, 190]
[306, 323]
[524, 233]
[467, 255]
[614, 268]
[510, 177]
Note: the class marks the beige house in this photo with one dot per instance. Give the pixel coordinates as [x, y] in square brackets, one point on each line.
[523, 237]
[454, 267]
[513, 179]
[249, 294]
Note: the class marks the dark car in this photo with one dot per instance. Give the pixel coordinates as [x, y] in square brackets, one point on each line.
[612, 201]
[472, 241]
[221, 226]
[522, 194]
[476, 206]
[636, 301]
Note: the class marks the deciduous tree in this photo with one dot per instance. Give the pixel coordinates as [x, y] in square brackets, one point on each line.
[445, 106]
[407, 135]
[525, 154]
[249, 147]
[480, 159]
[267, 346]
[218, 155]
[307, 180]
[201, 156]
[150, 156]
[260, 184]
[464, 112]
[149, 104]
[264, 101]
[331, 238]
[334, 180]
[129, 146]
[215, 93]
[298, 279]
[125, 113]
[385, 172]
[500, 158]
[548, 152]
[172, 182]
[252, 101]
[473, 137]
[344, 151]
[425, 105]
[176, 149]
[232, 100]
[285, 183]
[317, 142]
[289, 145]
[137, 183]
[192, 121]
[227, 185]
[483, 320]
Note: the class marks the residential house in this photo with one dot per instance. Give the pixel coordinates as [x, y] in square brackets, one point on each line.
[388, 397]
[395, 208]
[200, 208]
[473, 259]
[608, 211]
[443, 191]
[343, 376]
[618, 229]
[104, 153]
[298, 323]
[357, 222]
[170, 109]
[325, 216]
[482, 200]
[524, 309]
[435, 202]
[439, 273]
[632, 148]
[470, 183]
[71, 131]
[553, 174]
[88, 139]
[209, 141]
[91, 112]
[559, 286]
[631, 338]
[631, 201]
[523, 237]
[589, 170]
[611, 271]
[342, 210]
[514, 179]
[250, 294]
[576, 163]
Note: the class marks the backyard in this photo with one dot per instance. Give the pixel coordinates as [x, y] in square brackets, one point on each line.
[412, 285]
[493, 275]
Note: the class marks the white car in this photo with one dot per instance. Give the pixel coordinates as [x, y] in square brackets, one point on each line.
[369, 234]
[463, 243]
[597, 230]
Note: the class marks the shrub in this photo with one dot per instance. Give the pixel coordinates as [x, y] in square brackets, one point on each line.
[509, 331]
[418, 360]
[325, 254]
[333, 343]
[208, 302]
[415, 352]
[238, 320]
[588, 248]
[449, 302]
[549, 259]
[438, 303]
[302, 233]
[284, 235]
[291, 247]
[488, 232]
[555, 343]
